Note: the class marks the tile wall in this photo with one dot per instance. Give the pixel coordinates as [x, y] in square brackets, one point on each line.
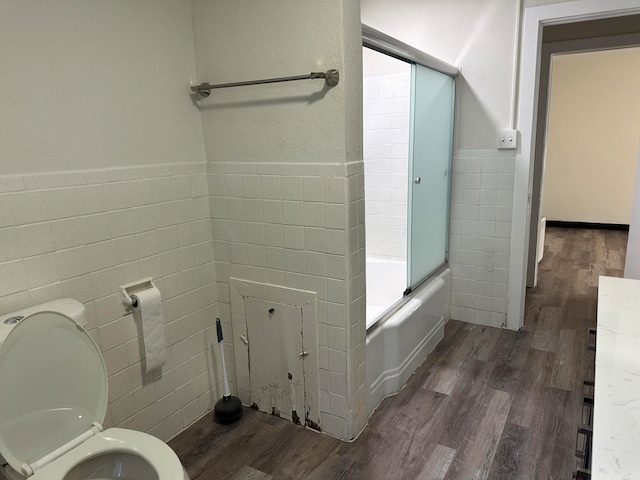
[301, 226]
[386, 152]
[480, 235]
[81, 235]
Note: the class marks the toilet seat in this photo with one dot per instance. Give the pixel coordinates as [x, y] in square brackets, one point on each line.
[112, 441]
[54, 399]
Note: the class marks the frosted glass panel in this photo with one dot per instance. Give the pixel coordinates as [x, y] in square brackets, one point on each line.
[430, 155]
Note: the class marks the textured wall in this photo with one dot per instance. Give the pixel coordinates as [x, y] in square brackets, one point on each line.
[288, 122]
[96, 84]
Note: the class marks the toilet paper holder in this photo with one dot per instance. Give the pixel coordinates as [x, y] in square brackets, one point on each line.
[126, 291]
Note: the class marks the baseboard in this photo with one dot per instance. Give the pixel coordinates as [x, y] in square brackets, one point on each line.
[598, 226]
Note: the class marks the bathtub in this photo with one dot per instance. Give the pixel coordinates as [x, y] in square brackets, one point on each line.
[398, 344]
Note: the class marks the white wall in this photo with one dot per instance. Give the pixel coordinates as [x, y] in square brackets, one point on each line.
[592, 136]
[478, 37]
[286, 173]
[96, 84]
[239, 41]
[103, 182]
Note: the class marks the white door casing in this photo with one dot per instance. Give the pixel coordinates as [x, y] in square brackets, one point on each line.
[535, 19]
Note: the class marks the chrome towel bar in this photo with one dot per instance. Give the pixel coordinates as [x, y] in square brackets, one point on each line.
[331, 79]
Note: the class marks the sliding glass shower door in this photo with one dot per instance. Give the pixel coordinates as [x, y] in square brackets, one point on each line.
[430, 154]
[408, 145]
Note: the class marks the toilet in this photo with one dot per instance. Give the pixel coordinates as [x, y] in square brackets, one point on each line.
[53, 384]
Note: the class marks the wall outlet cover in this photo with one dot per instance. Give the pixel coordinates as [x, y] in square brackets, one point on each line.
[507, 139]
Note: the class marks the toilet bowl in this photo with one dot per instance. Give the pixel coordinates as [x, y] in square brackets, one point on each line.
[54, 398]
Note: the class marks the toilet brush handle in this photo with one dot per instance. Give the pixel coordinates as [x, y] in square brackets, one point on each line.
[225, 382]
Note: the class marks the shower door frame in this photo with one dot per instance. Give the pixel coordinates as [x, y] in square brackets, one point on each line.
[387, 45]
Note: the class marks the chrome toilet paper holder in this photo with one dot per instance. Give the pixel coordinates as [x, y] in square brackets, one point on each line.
[126, 291]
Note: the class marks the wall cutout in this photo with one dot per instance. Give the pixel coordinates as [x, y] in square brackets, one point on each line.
[277, 365]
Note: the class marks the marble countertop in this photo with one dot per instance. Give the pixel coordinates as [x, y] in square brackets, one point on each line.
[616, 422]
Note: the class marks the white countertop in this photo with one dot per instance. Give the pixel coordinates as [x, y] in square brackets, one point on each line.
[616, 422]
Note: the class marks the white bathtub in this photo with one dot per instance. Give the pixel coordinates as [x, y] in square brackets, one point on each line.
[397, 345]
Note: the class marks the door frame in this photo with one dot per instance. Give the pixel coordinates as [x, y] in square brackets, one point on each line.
[535, 19]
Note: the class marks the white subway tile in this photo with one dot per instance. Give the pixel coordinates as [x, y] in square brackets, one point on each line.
[292, 213]
[294, 237]
[161, 189]
[117, 195]
[504, 198]
[41, 270]
[274, 235]
[233, 185]
[337, 383]
[72, 262]
[6, 211]
[254, 234]
[120, 223]
[234, 208]
[199, 186]
[316, 264]
[335, 215]
[30, 207]
[294, 261]
[141, 219]
[275, 258]
[292, 188]
[91, 199]
[272, 211]
[485, 273]
[271, 187]
[314, 239]
[181, 185]
[256, 255]
[100, 255]
[62, 203]
[252, 186]
[313, 189]
[94, 228]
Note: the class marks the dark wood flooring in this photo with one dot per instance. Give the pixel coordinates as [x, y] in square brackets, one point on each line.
[487, 403]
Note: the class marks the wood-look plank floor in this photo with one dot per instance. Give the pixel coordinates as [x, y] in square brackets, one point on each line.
[487, 403]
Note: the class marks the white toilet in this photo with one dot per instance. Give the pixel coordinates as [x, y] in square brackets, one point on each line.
[53, 398]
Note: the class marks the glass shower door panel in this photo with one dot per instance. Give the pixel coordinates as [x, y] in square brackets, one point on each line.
[430, 153]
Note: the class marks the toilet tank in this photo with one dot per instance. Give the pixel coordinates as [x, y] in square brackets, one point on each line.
[67, 306]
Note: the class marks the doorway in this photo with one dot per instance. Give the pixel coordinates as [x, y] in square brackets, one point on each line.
[536, 21]
[573, 142]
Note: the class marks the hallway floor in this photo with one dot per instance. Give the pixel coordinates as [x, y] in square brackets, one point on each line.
[487, 404]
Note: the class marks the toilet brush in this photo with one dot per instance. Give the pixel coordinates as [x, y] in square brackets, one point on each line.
[228, 409]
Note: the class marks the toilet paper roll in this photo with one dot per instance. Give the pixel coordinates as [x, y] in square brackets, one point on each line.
[149, 312]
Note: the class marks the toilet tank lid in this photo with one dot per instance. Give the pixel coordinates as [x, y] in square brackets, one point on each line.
[66, 306]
